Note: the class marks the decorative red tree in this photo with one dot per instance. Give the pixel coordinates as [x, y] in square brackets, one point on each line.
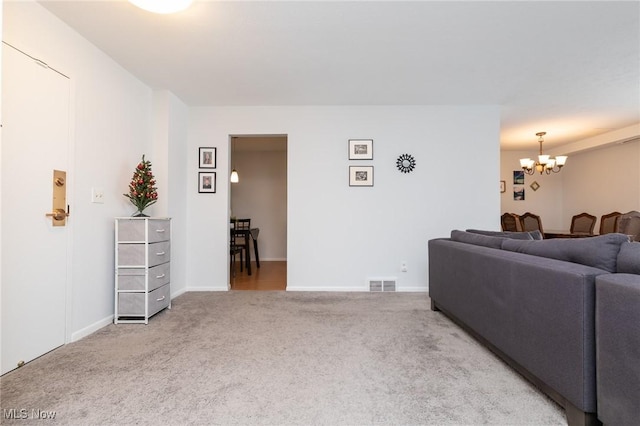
[142, 192]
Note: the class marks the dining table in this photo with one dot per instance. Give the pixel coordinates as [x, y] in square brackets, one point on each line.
[248, 235]
[566, 234]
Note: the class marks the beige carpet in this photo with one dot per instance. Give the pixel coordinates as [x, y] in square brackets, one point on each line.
[278, 358]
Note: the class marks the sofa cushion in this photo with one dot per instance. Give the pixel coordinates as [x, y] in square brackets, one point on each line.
[506, 234]
[477, 239]
[600, 252]
[629, 258]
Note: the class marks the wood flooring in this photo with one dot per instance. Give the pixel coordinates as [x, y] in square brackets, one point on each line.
[272, 275]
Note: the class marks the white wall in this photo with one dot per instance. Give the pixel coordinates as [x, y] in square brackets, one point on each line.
[601, 181]
[111, 129]
[261, 194]
[338, 236]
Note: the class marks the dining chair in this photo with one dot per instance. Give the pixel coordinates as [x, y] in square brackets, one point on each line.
[629, 224]
[511, 222]
[531, 222]
[608, 222]
[242, 225]
[583, 223]
[234, 250]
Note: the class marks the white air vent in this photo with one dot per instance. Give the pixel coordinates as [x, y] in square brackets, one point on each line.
[375, 285]
[389, 285]
[382, 284]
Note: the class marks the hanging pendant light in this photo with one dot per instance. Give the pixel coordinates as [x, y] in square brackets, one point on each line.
[234, 173]
[162, 6]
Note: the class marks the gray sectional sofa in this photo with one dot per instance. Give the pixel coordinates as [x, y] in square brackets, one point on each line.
[565, 313]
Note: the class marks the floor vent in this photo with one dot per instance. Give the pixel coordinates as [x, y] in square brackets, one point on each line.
[382, 284]
[389, 285]
[375, 285]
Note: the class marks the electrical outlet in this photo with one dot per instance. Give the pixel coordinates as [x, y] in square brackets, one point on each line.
[403, 266]
[97, 195]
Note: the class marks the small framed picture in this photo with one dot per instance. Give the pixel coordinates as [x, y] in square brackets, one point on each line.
[518, 193]
[503, 186]
[535, 185]
[518, 177]
[207, 157]
[360, 149]
[207, 182]
[360, 175]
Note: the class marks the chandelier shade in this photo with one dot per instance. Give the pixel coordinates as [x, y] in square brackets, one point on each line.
[545, 163]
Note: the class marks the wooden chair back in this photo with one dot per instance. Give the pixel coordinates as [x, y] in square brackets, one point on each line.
[511, 222]
[583, 223]
[629, 224]
[609, 222]
[531, 222]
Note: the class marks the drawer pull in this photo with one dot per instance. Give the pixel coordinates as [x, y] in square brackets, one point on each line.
[159, 230]
[160, 276]
[160, 299]
[160, 254]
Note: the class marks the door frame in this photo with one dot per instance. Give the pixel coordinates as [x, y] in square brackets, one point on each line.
[231, 163]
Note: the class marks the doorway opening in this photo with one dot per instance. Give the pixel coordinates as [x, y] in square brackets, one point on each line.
[260, 195]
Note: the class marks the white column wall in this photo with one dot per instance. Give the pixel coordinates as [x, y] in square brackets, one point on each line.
[171, 121]
[338, 236]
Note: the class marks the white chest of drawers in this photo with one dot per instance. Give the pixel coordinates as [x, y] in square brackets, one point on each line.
[142, 274]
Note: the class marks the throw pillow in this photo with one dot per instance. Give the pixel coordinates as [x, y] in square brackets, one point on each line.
[506, 234]
[477, 239]
[536, 235]
[629, 258]
[600, 252]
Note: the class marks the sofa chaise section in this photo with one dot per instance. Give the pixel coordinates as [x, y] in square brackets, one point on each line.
[537, 313]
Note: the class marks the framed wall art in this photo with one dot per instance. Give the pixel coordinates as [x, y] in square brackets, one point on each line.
[207, 182]
[207, 157]
[518, 177]
[360, 149]
[360, 175]
[518, 193]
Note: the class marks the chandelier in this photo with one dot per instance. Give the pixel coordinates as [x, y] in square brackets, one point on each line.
[545, 163]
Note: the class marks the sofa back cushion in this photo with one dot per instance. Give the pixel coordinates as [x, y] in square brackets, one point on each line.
[477, 239]
[600, 252]
[629, 258]
[508, 234]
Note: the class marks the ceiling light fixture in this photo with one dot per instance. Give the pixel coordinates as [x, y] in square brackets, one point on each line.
[162, 6]
[234, 178]
[545, 163]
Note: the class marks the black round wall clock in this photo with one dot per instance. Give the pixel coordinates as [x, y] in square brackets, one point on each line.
[406, 163]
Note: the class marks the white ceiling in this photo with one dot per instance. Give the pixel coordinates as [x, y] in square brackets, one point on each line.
[571, 69]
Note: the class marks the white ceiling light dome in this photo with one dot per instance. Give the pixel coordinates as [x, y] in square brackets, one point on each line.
[162, 6]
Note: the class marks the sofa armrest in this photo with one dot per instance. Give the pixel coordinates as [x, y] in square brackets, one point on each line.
[618, 348]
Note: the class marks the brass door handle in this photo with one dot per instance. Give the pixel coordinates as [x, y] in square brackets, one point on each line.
[57, 214]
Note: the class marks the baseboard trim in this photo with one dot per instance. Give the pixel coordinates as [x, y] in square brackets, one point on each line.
[399, 289]
[189, 289]
[92, 328]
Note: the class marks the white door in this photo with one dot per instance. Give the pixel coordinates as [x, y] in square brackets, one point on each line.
[35, 141]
